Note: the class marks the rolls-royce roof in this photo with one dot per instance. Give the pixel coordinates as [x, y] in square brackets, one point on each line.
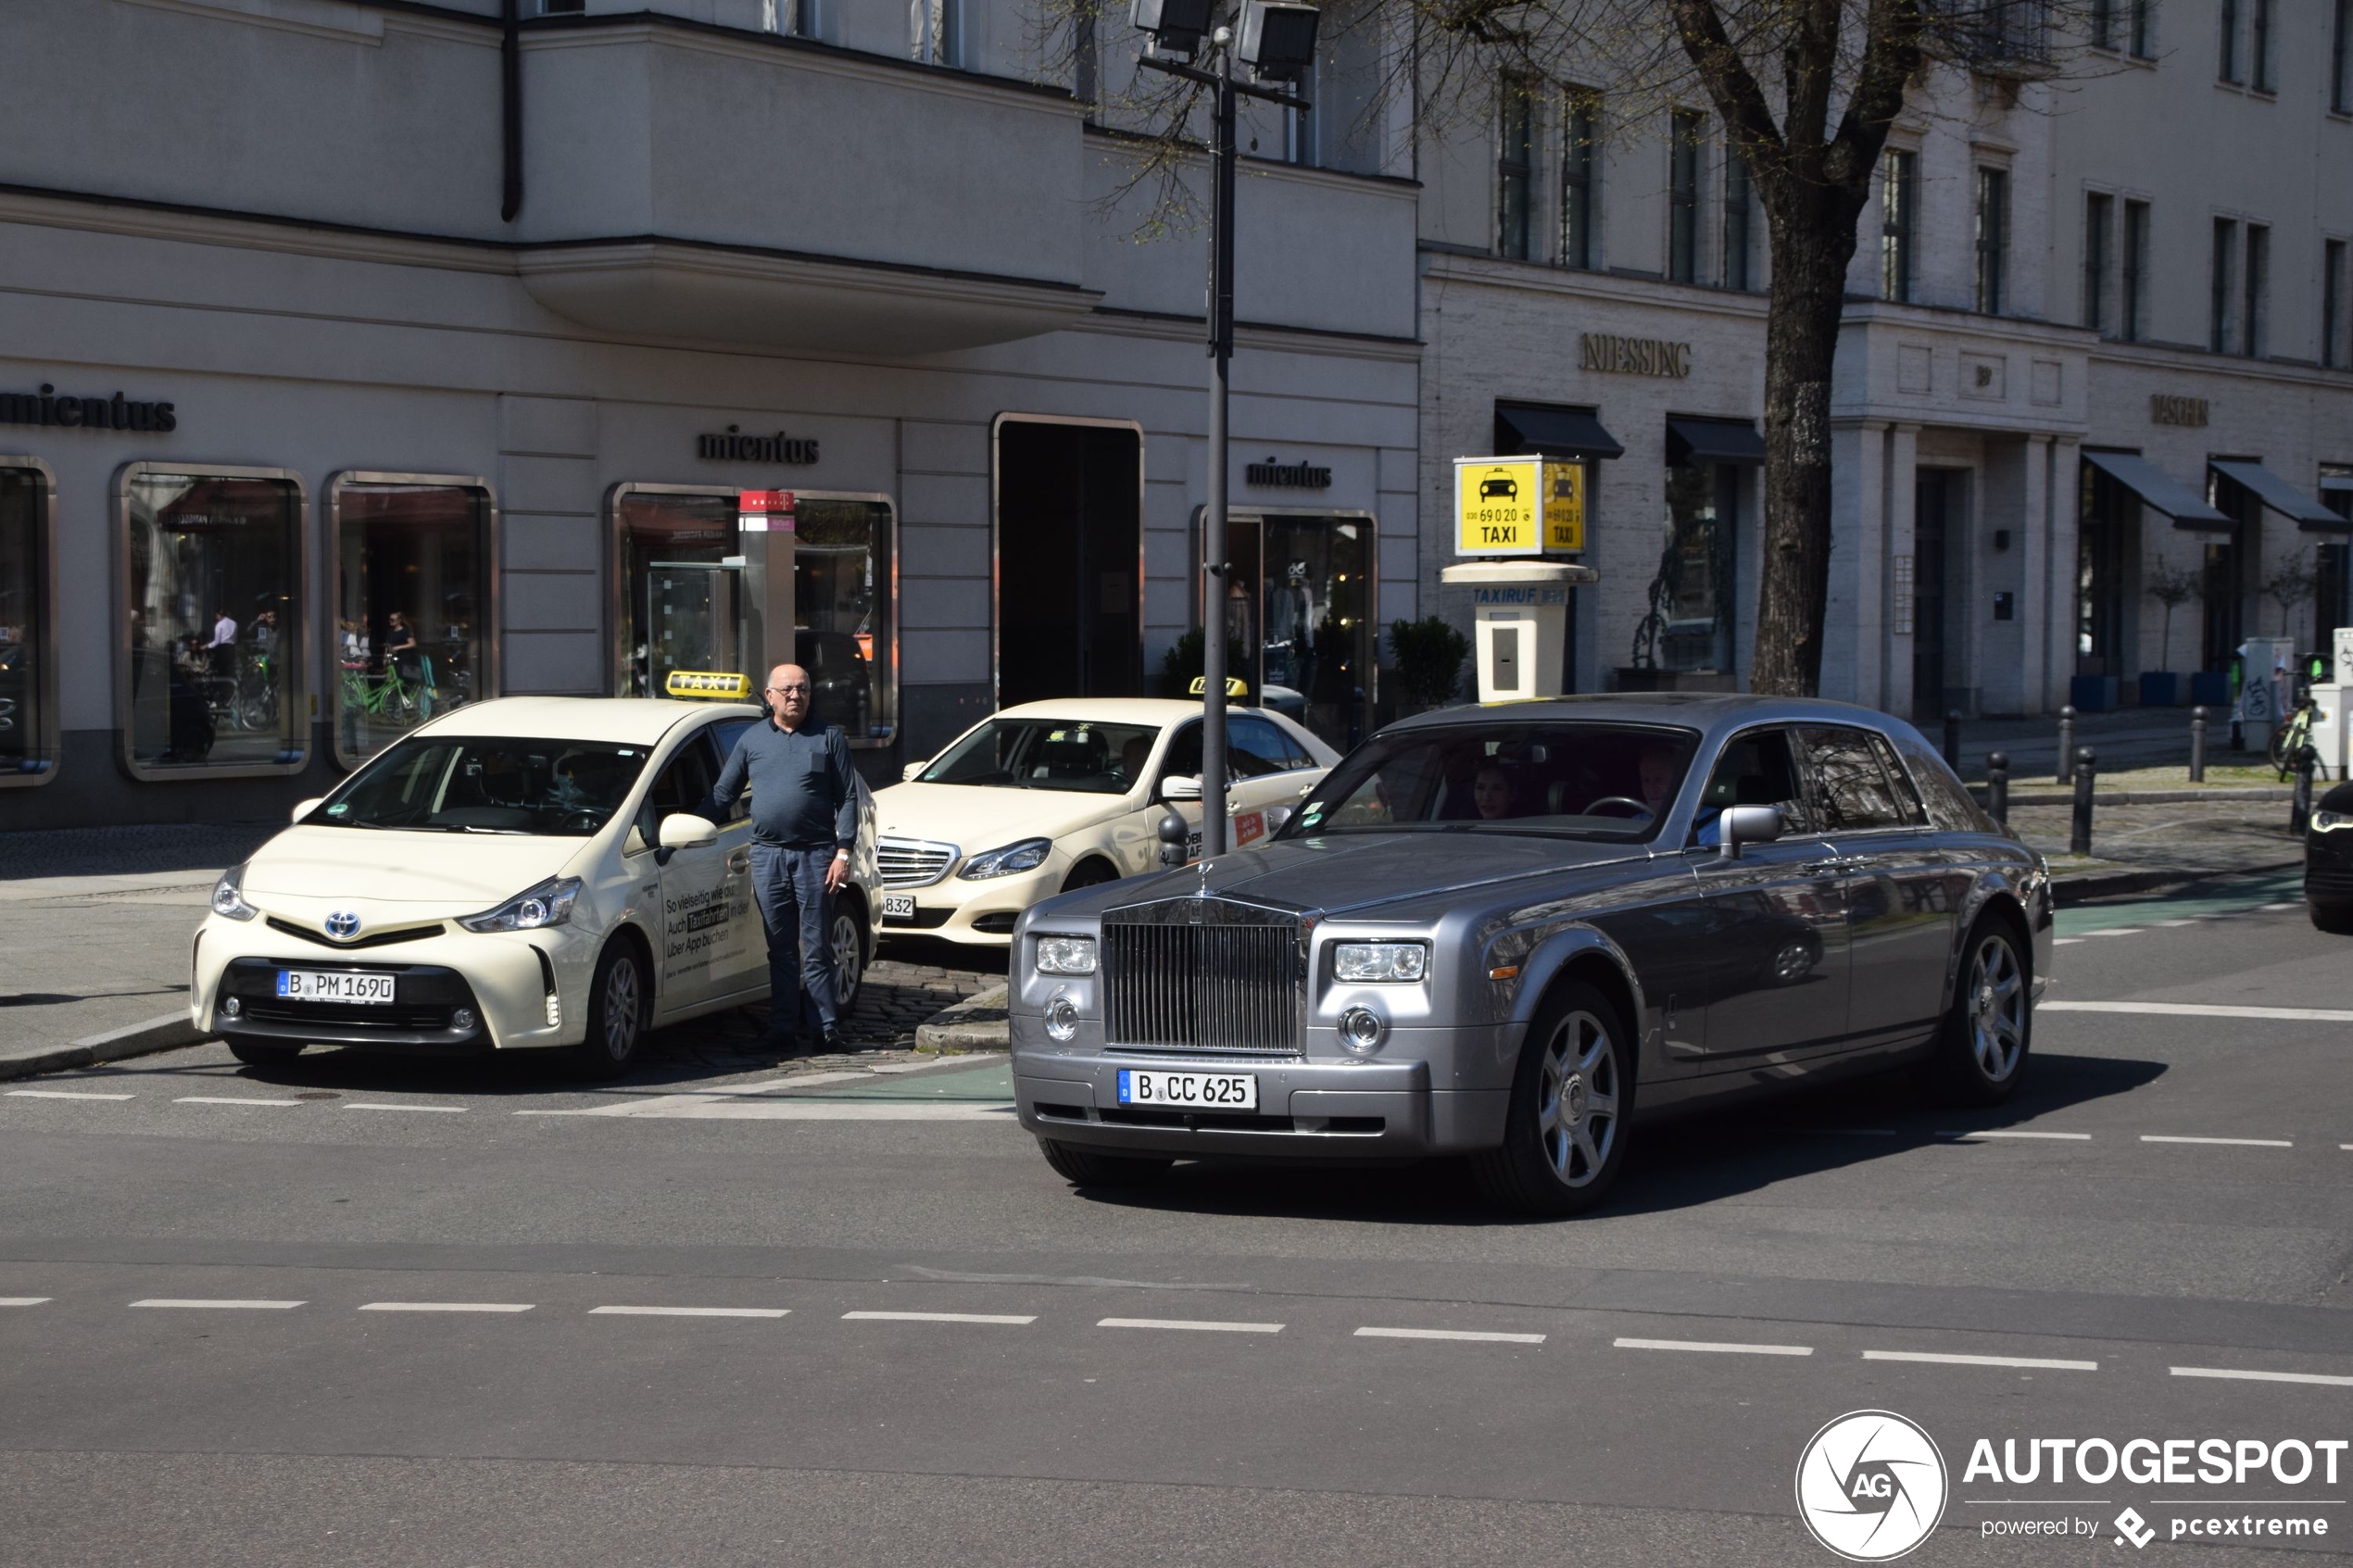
[1705, 711]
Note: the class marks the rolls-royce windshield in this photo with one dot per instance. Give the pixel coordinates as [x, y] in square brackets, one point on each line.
[1606, 782]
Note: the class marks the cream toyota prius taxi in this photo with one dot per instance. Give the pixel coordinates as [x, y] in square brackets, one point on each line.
[1048, 796]
[520, 873]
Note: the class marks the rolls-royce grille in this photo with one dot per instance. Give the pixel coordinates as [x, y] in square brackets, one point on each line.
[1209, 987]
[913, 862]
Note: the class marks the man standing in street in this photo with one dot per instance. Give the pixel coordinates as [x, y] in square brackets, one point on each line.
[804, 825]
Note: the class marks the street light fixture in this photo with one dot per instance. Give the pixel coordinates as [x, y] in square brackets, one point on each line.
[1278, 42]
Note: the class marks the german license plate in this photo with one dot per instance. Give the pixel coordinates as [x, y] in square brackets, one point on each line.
[899, 905]
[1188, 1091]
[329, 986]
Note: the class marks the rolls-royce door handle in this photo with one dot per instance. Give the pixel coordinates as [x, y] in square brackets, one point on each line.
[1835, 864]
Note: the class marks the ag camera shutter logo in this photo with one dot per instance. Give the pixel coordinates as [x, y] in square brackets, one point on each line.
[1871, 1485]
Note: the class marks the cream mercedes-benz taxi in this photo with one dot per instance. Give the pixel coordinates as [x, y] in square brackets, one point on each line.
[527, 872]
[1047, 796]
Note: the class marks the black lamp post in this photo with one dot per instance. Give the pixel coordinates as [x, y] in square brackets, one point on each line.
[1277, 42]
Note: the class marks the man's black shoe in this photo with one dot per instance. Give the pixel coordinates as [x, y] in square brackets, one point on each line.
[825, 1042]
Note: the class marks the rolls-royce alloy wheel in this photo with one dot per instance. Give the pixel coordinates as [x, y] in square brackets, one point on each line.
[616, 1013]
[1564, 1132]
[1981, 1051]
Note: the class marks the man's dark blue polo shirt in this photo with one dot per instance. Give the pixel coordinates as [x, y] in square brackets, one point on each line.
[803, 791]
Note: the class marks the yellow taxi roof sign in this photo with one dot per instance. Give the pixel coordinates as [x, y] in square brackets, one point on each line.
[708, 685]
[1235, 686]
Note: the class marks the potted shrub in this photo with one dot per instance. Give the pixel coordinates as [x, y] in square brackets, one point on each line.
[1431, 655]
[2171, 586]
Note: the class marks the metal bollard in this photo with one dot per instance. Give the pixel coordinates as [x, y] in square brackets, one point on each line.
[1174, 832]
[2067, 744]
[1997, 788]
[1953, 739]
[2079, 839]
[2299, 811]
[2198, 745]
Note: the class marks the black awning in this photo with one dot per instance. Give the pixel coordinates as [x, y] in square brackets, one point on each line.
[2281, 496]
[1691, 442]
[2161, 490]
[1523, 427]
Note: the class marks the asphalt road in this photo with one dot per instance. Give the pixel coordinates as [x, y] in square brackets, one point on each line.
[361, 1313]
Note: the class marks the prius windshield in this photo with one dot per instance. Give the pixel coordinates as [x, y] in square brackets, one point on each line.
[486, 784]
[1048, 754]
[1602, 782]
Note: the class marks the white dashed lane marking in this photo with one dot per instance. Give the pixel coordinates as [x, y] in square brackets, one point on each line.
[2205, 1010]
[63, 1094]
[1714, 1347]
[1015, 1319]
[2245, 1376]
[229, 1099]
[2241, 1143]
[22, 1300]
[1475, 1336]
[2065, 942]
[382, 1105]
[199, 1304]
[1940, 1358]
[446, 1307]
[689, 1311]
[1201, 1326]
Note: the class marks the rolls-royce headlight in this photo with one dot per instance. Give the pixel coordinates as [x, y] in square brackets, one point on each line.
[1062, 1020]
[2328, 822]
[1379, 963]
[1065, 955]
[1362, 1031]
[1026, 855]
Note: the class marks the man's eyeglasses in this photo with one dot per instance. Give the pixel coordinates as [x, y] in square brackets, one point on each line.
[782, 691]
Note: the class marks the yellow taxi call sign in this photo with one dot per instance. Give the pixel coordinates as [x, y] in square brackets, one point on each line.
[1518, 507]
[712, 686]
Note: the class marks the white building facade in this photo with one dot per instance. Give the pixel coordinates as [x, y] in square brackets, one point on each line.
[2098, 267]
[361, 359]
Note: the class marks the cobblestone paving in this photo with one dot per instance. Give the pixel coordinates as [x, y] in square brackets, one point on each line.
[905, 987]
[2202, 838]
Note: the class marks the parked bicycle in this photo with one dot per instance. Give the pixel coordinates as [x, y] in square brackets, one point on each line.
[390, 693]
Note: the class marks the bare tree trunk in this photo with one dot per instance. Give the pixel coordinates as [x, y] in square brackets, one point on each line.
[1810, 253]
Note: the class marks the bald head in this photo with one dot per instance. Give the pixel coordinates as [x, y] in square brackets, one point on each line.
[789, 694]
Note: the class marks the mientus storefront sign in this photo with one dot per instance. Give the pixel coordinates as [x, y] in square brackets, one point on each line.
[1273, 475]
[49, 407]
[732, 446]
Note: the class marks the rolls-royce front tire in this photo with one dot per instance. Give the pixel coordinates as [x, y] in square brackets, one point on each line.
[1981, 1048]
[2332, 915]
[1086, 1168]
[1565, 1132]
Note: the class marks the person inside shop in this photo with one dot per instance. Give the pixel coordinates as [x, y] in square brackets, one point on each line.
[804, 824]
[401, 644]
[222, 651]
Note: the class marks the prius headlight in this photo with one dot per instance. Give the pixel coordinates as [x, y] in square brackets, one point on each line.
[229, 893]
[2323, 821]
[1065, 955]
[1379, 963]
[533, 909]
[1026, 855]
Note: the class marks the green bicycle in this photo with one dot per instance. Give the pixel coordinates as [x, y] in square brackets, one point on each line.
[388, 695]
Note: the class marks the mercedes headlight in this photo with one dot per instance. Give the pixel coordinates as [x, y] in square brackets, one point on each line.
[1065, 955]
[2323, 821]
[534, 910]
[1026, 855]
[1379, 963]
[229, 893]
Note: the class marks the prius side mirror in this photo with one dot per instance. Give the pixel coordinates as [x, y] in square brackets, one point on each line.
[1746, 824]
[683, 830]
[1180, 786]
[306, 807]
[909, 773]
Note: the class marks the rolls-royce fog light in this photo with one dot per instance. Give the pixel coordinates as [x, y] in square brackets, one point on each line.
[462, 1019]
[231, 1008]
[1062, 1018]
[1362, 1031]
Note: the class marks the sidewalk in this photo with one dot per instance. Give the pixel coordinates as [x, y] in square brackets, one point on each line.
[99, 921]
[2132, 737]
[2138, 847]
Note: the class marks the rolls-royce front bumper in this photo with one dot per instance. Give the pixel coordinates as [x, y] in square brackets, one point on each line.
[1403, 1104]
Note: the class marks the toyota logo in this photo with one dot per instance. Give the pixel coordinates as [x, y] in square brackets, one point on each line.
[342, 925]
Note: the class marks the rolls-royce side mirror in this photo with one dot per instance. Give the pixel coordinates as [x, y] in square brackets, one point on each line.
[1746, 824]
[1180, 786]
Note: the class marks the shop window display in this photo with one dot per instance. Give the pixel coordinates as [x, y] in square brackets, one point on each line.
[412, 613]
[26, 677]
[213, 570]
[1300, 595]
[1689, 628]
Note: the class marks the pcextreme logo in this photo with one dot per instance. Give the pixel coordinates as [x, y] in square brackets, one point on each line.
[1871, 1485]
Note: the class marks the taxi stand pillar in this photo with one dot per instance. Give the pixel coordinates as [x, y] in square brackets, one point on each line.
[1521, 610]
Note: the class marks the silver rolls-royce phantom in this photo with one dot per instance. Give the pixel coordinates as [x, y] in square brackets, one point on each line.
[1516, 932]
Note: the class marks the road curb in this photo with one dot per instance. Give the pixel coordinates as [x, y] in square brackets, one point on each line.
[2108, 885]
[978, 1024]
[166, 1032]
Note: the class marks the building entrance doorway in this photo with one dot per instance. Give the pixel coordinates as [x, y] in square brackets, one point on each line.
[1069, 561]
[1299, 600]
[1936, 532]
